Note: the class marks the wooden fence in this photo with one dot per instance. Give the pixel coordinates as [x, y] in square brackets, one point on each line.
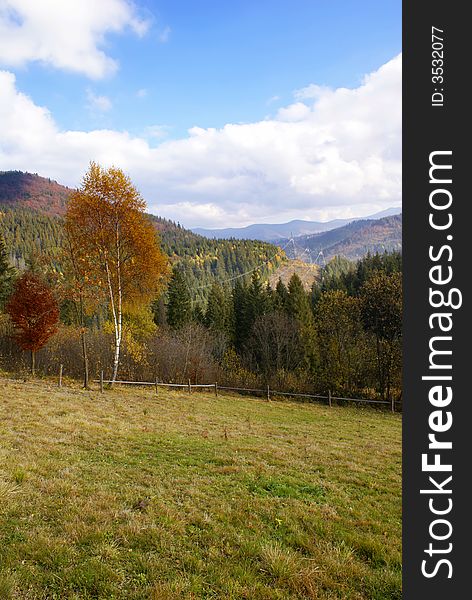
[267, 392]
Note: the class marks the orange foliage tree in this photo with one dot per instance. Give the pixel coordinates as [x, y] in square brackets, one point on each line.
[115, 244]
[34, 312]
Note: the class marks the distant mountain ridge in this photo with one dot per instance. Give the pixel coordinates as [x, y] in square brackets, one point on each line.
[352, 241]
[276, 232]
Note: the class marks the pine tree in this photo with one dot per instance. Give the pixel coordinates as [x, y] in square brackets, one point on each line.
[269, 301]
[198, 314]
[179, 307]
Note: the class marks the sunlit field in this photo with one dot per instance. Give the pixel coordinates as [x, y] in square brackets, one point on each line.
[129, 494]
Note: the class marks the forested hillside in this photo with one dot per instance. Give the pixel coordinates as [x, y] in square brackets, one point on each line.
[27, 232]
[31, 224]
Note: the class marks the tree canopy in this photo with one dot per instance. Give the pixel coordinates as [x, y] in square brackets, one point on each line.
[116, 243]
[34, 312]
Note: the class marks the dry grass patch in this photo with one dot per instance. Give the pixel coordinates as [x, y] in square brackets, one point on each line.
[131, 495]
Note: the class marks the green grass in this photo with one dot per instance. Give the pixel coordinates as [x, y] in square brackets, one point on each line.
[131, 495]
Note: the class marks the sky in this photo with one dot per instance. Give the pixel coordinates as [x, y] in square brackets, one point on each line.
[222, 113]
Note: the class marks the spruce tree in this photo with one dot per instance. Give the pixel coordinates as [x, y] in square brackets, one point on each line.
[298, 301]
[7, 274]
[241, 315]
[179, 307]
[158, 308]
[269, 301]
[257, 298]
[281, 296]
[217, 312]
[198, 314]
[299, 308]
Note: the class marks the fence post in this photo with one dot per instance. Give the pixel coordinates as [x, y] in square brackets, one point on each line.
[268, 393]
[157, 387]
[60, 375]
[393, 404]
[216, 389]
[101, 381]
[329, 398]
[189, 387]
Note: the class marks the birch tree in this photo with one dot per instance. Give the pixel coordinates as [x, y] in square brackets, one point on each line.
[115, 244]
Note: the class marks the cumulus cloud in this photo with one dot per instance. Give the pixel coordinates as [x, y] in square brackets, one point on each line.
[66, 35]
[338, 154]
[310, 92]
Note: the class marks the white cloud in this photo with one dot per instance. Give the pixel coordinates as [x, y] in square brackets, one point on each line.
[66, 35]
[311, 92]
[295, 112]
[142, 93]
[165, 35]
[335, 156]
[98, 103]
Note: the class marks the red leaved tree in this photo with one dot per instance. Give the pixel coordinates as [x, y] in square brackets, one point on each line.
[34, 313]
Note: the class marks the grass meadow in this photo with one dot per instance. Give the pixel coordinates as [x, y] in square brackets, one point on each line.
[134, 495]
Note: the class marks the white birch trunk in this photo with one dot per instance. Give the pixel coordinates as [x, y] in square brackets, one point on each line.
[118, 318]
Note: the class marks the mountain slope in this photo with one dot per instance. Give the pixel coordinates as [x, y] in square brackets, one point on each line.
[376, 236]
[27, 191]
[353, 241]
[275, 232]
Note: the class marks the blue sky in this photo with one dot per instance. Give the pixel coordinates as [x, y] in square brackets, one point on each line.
[150, 71]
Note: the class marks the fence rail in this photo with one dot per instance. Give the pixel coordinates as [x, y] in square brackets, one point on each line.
[266, 392]
[156, 383]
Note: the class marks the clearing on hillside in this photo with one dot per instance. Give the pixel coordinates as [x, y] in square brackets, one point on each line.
[129, 495]
[307, 273]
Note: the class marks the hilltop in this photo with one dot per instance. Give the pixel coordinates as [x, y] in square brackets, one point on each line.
[20, 190]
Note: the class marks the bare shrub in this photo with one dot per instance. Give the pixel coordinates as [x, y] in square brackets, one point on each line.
[188, 353]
